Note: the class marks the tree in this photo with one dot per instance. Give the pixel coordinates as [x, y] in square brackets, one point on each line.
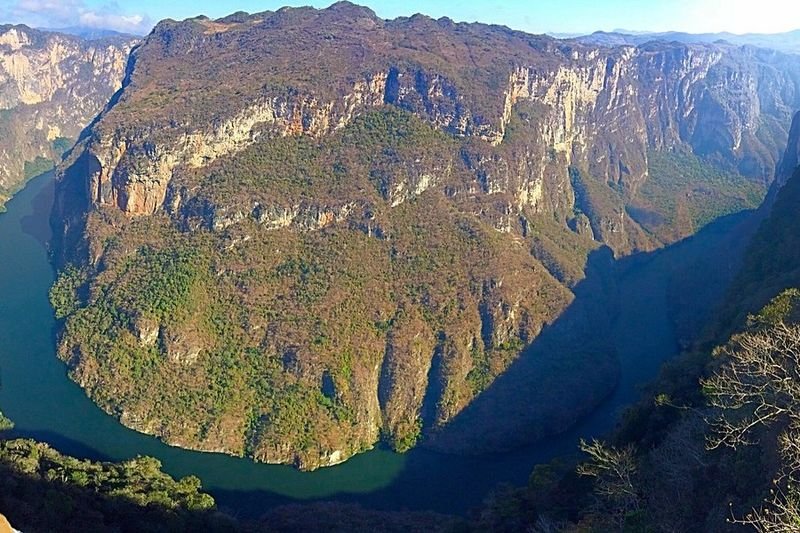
[614, 471]
[758, 384]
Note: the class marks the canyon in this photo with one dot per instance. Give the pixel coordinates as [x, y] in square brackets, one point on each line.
[51, 86]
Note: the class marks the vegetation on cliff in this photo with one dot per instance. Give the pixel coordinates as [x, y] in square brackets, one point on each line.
[5, 423]
[683, 193]
[270, 343]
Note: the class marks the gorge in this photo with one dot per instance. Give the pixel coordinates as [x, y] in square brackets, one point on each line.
[51, 86]
[425, 255]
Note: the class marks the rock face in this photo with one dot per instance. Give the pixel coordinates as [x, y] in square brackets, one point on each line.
[772, 261]
[791, 158]
[51, 86]
[5, 527]
[288, 257]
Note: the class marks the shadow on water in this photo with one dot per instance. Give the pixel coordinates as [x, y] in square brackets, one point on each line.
[628, 316]
[37, 223]
[63, 444]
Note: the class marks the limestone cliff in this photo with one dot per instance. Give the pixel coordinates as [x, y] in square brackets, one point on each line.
[599, 110]
[772, 261]
[51, 86]
[288, 257]
[791, 158]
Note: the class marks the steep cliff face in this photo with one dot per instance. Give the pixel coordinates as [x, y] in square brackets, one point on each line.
[51, 86]
[597, 110]
[275, 255]
[772, 261]
[791, 158]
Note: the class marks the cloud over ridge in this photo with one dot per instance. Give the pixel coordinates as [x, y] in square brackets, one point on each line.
[75, 13]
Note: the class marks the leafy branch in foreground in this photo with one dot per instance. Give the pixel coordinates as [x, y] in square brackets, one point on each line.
[614, 471]
[757, 385]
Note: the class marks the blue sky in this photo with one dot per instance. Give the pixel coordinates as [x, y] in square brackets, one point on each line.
[537, 16]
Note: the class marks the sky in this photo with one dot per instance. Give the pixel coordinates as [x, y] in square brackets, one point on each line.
[535, 16]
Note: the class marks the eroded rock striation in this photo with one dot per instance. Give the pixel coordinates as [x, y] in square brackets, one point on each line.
[294, 233]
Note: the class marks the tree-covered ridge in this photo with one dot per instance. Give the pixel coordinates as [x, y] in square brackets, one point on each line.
[374, 237]
[138, 480]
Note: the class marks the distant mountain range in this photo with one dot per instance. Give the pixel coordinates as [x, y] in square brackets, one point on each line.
[788, 42]
[89, 34]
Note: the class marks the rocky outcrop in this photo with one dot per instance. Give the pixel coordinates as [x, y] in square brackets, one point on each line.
[51, 86]
[5, 527]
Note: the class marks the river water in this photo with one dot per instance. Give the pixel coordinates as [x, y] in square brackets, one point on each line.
[37, 395]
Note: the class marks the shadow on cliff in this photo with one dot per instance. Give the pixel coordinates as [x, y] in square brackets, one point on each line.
[628, 317]
[563, 375]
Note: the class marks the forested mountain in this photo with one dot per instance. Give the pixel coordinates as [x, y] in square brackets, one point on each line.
[294, 233]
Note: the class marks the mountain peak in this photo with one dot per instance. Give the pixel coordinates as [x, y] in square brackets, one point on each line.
[351, 10]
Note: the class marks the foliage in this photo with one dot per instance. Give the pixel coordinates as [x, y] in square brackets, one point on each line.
[5, 423]
[64, 292]
[408, 439]
[61, 145]
[38, 166]
[43, 490]
[683, 193]
[614, 471]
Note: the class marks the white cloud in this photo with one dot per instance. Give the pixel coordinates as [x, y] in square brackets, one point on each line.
[68, 13]
[123, 23]
[738, 16]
